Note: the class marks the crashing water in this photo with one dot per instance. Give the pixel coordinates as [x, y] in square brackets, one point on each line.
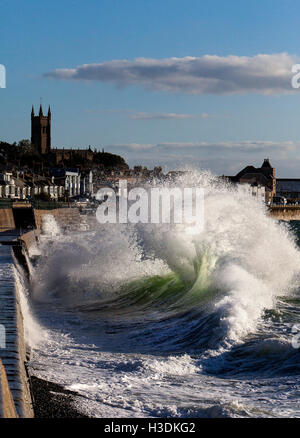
[163, 320]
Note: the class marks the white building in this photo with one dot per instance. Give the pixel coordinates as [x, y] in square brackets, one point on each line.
[258, 192]
[87, 186]
[13, 188]
[69, 179]
[23, 188]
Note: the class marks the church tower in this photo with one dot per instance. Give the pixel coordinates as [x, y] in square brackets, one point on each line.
[41, 131]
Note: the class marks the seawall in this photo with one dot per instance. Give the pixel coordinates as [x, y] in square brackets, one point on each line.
[7, 221]
[7, 404]
[15, 394]
[285, 212]
[22, 216]
[13, 352]
[65, 217]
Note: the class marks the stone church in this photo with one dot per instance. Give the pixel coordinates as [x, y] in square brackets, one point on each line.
[41, 131]
[41, 139]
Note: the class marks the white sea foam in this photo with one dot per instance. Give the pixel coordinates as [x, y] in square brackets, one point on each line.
[49, 225]
[34, 333]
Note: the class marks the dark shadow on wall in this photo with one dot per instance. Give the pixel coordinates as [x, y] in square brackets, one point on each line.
[24, 217]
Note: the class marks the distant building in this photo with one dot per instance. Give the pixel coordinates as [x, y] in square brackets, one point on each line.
[86, 184]
[41, 139]
[5, 177]
[263, 176]
[70, 179]
[25, 185]
[63, 154]
[41, 131]
[256, 191]
[12, 187]
[289, 188]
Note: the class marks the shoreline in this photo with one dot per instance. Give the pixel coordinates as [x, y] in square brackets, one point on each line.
[51, 400]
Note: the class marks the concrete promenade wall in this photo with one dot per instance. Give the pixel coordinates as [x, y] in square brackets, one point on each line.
[13, 353]
[15, 395]
[6, 219]
[29, 239]
[7, 404]
[65, 217]
[285, 212]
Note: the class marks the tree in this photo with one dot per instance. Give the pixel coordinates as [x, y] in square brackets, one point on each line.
[109, 160]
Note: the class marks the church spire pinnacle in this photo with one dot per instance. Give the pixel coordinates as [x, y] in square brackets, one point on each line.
[41, 130]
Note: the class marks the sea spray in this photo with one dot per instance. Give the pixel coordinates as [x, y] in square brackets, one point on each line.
[241, 260]
[33, 331]
[49, 225]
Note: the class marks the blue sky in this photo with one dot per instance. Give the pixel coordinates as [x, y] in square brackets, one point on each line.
[200, 95]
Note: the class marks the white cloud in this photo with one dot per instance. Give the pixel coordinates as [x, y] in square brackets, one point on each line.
[246, 146]
[209, 74]
[166, 116]
[220, 157]
[139, 115]
[132, 146]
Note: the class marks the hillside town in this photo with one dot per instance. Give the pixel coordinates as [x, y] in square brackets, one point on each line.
[33, 170]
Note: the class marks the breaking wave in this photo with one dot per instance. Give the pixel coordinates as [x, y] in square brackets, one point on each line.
[215, 301]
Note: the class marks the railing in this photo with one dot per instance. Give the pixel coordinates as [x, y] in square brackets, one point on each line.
[38, 204]
[6, 203]
[51, 205]
[291, 206]
[44, 205]
[13, 232]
